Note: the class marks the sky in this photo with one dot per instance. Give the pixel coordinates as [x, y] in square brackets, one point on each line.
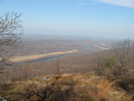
[97, 18]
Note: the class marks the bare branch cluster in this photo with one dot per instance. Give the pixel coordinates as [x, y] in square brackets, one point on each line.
[10, 34]
[123, 51]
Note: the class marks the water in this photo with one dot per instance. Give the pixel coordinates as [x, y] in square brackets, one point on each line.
[88, 52]
[49, 58]
[88, 46]
[45, 59]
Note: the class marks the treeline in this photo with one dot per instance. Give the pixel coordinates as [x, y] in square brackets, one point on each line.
[34, 47]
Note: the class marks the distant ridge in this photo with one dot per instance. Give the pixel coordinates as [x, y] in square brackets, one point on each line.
[63, 37]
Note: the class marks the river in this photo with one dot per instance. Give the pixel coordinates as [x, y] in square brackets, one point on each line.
[49, 58]
[45, 59]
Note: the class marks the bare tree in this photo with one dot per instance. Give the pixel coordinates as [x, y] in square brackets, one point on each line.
[10, 34]
[123, 51]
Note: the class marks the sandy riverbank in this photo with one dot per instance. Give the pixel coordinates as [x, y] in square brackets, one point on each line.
[35, 57]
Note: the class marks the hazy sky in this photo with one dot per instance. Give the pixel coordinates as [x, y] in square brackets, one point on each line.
[101, 18]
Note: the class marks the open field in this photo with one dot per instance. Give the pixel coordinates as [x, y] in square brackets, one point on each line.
[102, 48]
[35, 57]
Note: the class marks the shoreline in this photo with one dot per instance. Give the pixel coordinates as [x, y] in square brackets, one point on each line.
[29, 58]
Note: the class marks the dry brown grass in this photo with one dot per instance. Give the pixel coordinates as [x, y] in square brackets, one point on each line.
[83, 87]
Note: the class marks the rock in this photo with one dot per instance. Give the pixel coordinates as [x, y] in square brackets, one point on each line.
[2, 99]
[46, 78]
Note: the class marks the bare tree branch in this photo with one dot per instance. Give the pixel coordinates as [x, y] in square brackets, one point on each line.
[10, 36]
[123, 51]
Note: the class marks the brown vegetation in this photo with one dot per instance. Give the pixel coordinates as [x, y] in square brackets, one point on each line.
[72, 87]
[90, 77]
[35, 47]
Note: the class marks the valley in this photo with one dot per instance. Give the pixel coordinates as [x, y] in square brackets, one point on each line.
[67, 66]
[38, 49]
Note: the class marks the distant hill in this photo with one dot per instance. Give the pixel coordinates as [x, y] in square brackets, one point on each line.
[63, 37]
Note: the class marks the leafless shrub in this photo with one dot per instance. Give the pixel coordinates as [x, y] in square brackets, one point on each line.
[123, 52]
